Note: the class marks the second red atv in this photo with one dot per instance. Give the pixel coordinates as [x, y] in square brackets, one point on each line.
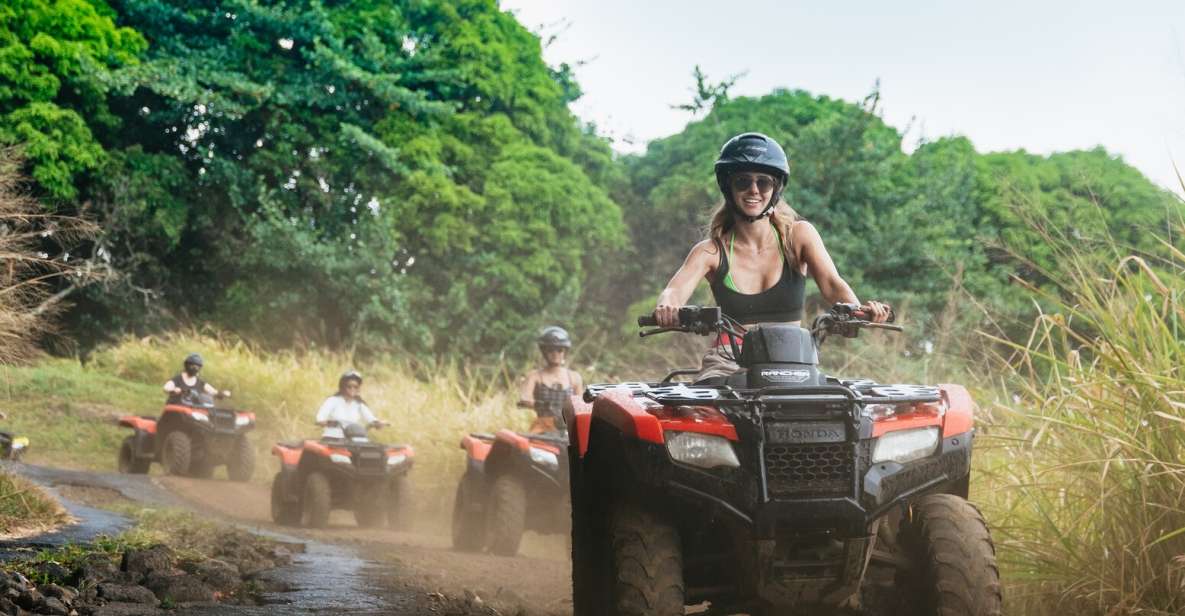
[342, 473]
[191, 437]
[512, 483]
[776, 490]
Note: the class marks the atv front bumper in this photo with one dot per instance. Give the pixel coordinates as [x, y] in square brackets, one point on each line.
[745, 495]
[771, 524]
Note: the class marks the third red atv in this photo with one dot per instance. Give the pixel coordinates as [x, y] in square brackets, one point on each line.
[777, 490]
[191, 437]
[342, 473]
[513, 482]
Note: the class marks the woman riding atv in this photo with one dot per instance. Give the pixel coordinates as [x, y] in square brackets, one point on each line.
[546, 389]
[757, 269]
[346, 407]
[188, 380]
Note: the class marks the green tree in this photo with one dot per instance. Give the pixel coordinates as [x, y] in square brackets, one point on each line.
[56, 63]
[362, 173]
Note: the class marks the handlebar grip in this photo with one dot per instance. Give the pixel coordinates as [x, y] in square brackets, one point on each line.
[647, 320]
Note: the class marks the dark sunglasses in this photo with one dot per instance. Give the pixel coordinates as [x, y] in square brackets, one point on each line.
[743, 182]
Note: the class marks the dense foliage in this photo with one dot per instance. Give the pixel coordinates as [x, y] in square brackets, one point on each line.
[393, 174]
[367, 172]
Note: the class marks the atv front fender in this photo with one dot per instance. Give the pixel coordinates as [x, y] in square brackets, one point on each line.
[960, 411]
[618, 408]
[289, 456]
[579, 423]
[135, 422]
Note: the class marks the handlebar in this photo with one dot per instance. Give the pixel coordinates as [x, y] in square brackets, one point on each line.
[702, 320]
[333, 423]
[843, 319]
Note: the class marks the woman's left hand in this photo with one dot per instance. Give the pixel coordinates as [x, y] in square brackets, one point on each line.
[879, 312]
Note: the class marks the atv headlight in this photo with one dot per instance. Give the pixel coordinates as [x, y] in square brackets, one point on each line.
[199, 416]
[702, 450]
[396, 459]
[242, 420]
[545, 458]
[906, 445]
[20, 442]
[340, 458]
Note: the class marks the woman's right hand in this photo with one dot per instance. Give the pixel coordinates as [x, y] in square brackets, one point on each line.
[667, 315]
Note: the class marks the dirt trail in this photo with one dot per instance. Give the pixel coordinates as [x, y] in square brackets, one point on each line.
[535, 583]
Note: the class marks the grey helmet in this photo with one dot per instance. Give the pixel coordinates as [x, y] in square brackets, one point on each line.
[752, 152]
[554, 337]
[193, 359]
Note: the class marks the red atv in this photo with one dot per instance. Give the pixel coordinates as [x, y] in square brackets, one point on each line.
[342, 473]
[513, 482]
[778, 489]
[191, 438]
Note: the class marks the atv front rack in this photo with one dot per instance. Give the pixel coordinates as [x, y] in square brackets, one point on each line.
[862, 390]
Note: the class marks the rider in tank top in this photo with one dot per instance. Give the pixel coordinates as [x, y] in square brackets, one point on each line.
[758, 253]
[547, 389]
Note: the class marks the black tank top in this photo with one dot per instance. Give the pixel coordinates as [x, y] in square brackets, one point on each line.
[179, 382]
[780, 303]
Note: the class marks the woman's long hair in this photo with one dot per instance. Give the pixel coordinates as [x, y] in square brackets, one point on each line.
[782, 217]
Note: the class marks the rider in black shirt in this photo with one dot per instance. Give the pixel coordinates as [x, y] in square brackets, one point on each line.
[188, 380]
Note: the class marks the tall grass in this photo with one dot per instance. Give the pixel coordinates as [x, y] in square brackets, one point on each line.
[1089, 510]
[68, 410]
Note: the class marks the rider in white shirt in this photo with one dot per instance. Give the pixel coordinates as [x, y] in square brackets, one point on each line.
[345, 407]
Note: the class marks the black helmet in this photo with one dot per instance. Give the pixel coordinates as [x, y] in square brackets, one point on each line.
[348, 375]
[752, 152]
[193, 359]
[554, 337]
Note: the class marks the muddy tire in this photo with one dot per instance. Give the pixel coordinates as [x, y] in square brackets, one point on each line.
[241, 465]
[399, 500]
[128, 462]
[468, 524]
[175, 453]
[647, 564]
[283, 513]
[955, 571]
[370, 507]
[507, 516]
[315, 501]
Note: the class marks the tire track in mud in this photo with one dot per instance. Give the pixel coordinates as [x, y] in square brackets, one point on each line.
[535, 583]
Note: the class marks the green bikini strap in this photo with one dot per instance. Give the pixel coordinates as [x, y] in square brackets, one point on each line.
[731, 239]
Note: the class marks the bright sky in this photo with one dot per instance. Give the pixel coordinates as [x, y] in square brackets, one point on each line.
[1042, 75]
